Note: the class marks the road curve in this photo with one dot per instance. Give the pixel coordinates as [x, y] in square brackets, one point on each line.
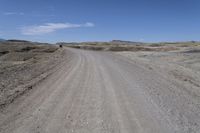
[96, 92]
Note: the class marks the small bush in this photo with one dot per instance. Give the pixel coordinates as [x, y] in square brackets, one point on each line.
[3, 52]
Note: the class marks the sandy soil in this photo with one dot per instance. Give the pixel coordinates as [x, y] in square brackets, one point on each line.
[94, 91]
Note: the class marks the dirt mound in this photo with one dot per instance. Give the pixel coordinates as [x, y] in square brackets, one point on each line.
[21, 63]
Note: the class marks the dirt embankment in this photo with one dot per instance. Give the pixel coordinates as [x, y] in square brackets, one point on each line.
[136, 46]
[22, 64]
[181, 65]
[117, 48]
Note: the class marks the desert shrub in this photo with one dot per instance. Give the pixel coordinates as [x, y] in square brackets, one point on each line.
[3, 52]
[26, 49]
[50, 50]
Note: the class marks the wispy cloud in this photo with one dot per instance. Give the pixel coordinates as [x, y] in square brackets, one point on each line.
[13, 13]
[88, 24]
[51, 27]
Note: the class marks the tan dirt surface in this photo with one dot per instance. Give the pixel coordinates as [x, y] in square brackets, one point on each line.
[96, 92]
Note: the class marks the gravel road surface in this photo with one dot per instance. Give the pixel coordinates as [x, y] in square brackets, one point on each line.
[102, 92]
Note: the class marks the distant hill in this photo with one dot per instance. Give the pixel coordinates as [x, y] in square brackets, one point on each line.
[15, 40]
[2, 40]
[125, 42]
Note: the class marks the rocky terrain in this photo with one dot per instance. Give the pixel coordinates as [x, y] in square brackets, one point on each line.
[182, 62]
[22, 64]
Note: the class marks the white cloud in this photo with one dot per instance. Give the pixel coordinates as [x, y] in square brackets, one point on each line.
[88, 24]
[51, 27]
[13, 13]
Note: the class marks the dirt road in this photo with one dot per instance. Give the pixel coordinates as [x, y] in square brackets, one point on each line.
[96, 92]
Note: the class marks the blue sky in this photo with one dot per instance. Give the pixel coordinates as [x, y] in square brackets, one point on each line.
[100, 20]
